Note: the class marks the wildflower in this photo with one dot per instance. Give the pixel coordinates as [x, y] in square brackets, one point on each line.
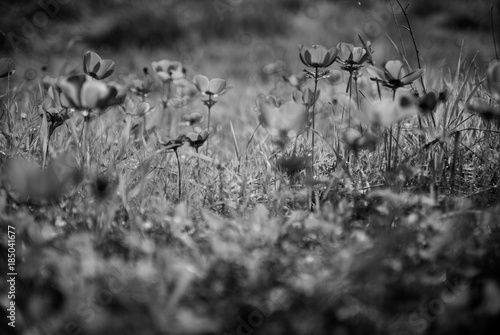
[140, 86]
[186, 92]
[317, 56]
[7, 67]
[286, 120]
[428, 102]
[368, 48]
[394, 75]
[493, 76]
[482, 108]
[96, 67]
[351, 58]
[168, 70]
[196, 140]
[192, 118]
[306, 98]
[81, 93]
[355, 141]
[296, 80]
[212, 88]
[276, 67]
[387, 112]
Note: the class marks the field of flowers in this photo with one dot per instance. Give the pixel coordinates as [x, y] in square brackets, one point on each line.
[347, 187]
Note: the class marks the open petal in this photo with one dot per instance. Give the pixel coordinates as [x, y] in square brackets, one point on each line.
[318, 55]
[202, 83]
[216, 86]
[412, 76]
[393, 68]
[70, 90]
[359, 55]
[376, 72]
[345, 50]
[96, 94]
[90, 61]
[106, 69]
[7, 67]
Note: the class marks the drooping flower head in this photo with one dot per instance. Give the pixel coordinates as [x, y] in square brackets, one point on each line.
[394, 75]
[96, 67]
[317, 56]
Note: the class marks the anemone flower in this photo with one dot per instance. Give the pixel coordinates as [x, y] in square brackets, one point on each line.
[387, 112]
[196, 140]
[7, 67]
[350, 57]
[213, 88]
[82, 93]
[306, 98]
[192, 118]
[317, 56]
[296, 80]
[168, 70]
[286, 120]
[96, 67]
[394, 75]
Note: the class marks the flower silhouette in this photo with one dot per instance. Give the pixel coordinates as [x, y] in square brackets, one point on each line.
[350, 57]
[394, 75]
[387, 112]
[7, 67]
[168, 70]
[317, 56]
[96, 67]
[196, 140]
[214, 88]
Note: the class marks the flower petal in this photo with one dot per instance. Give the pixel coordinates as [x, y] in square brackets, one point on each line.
[202, 83]
[412, 76]
[96, 94]
[70, 88]
[393, 69]
[216, 86]
[106, 69]
[376, 72]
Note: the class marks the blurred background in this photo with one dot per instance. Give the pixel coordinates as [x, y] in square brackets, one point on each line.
[235, 38]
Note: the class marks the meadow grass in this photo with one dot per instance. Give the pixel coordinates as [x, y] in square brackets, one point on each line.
[107, 247]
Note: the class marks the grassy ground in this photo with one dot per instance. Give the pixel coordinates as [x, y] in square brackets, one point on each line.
[108, 247]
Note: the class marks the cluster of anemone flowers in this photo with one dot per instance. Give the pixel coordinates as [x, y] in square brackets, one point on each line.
[89, 94]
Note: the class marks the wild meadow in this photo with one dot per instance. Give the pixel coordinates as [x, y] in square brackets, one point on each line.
[256, 167]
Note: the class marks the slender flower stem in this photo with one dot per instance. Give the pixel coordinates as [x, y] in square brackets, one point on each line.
[179, 171]
[210, 101]
[313, 119]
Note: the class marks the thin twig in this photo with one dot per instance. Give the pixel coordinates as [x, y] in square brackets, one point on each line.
[414, 41]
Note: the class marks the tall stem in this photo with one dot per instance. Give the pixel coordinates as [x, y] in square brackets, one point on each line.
[85, 146]
[179, 171]
[208, 122]
[313, 120]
